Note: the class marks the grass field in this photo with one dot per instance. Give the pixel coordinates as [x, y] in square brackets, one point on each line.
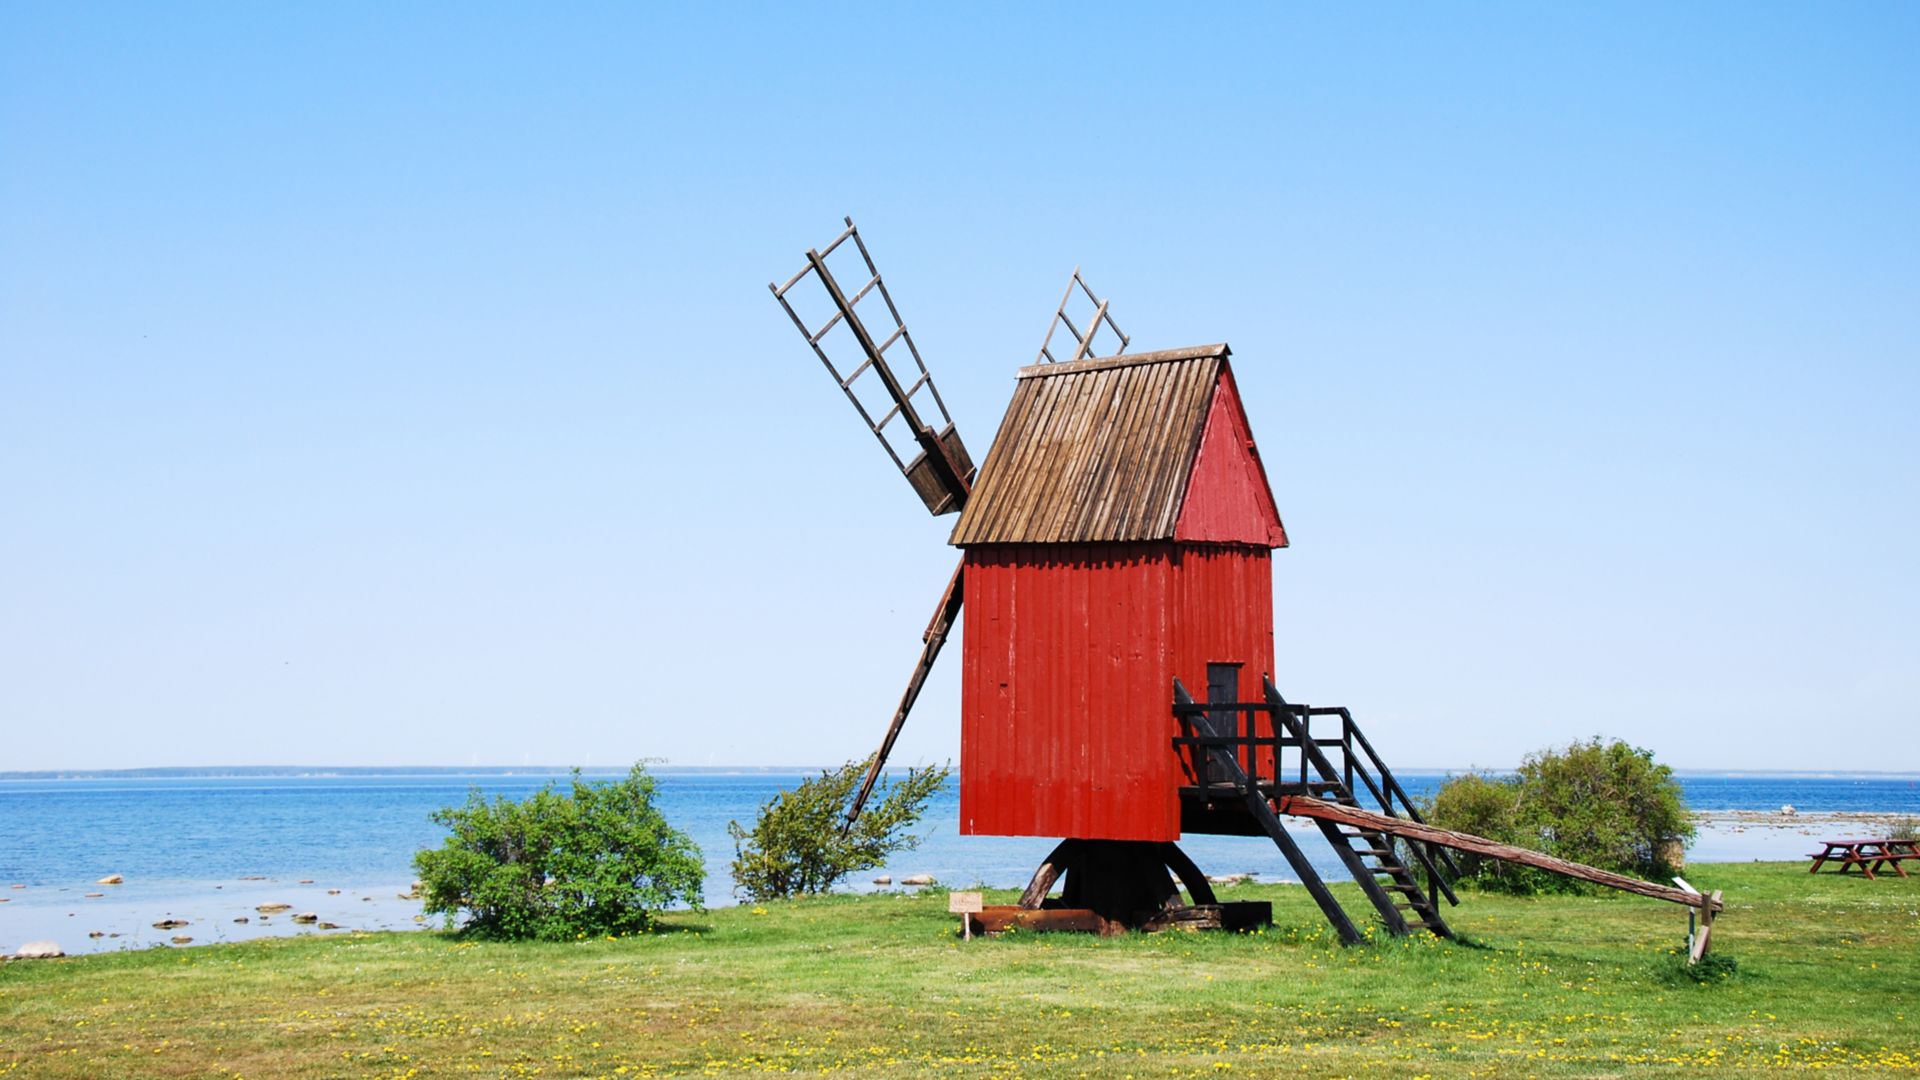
[1827, 976]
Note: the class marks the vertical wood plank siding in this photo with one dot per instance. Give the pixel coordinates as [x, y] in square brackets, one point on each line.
[1228, 500]
[1070, 653]
[1065, 686]
[1223, 613]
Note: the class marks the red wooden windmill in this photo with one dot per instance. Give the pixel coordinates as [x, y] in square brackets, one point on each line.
[1117, 548]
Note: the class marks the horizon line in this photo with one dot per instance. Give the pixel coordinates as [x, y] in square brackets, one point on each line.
[266, 771]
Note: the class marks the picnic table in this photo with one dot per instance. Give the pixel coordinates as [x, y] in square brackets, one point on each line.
[1865, 854]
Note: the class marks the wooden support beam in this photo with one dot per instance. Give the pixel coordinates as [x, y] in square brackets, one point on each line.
[1308, 807]
[934, 639]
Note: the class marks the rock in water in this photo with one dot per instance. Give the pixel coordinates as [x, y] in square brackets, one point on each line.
[38, 950]
[269, 909]
[169, 924]
[95, 895]
[329, 926]
[182, 939]
[96, 933]
[111, 879]
[242, 919]
[883, 879]
[306, 917]
[1788, 810]
[917, 879]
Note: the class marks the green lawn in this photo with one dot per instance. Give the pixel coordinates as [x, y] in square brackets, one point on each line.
[1828, 976]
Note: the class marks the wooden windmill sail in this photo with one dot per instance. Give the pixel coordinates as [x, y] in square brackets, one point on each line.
[935, 462]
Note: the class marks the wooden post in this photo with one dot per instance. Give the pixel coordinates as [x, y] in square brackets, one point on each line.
[1698, 939]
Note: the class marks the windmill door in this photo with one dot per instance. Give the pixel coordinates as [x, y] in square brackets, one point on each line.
[1223, 688]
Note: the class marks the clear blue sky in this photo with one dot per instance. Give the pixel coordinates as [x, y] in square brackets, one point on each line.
[398, 384]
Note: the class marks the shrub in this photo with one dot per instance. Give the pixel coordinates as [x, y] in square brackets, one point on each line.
[597, 859]
[796, 846]
[1606, 804]
[1484, 806]
[1906, 828]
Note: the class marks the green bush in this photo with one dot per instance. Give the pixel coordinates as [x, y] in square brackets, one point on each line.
[796, 847]
[596, 859]
[1606, 804]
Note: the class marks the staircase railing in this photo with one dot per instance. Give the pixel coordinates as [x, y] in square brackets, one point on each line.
[1393, 799]
[1292, 727]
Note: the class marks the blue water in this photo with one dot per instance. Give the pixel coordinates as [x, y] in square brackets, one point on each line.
[188, 847]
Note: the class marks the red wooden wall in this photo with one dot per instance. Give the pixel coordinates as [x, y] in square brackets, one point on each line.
[1227, 498]
[1069, 657]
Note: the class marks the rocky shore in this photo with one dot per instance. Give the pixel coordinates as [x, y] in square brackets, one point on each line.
[1834, 822]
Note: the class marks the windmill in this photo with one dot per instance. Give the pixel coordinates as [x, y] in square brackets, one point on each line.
[1116, 547]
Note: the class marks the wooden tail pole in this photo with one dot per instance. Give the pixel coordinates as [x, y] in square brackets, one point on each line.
[1309, 807]
[934, 639]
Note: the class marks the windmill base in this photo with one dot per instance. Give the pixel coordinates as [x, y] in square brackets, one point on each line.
[1113, 886]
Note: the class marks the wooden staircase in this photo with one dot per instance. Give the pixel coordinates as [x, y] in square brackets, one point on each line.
[1239, 762]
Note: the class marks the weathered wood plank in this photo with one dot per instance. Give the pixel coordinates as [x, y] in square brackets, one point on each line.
[1309, 807]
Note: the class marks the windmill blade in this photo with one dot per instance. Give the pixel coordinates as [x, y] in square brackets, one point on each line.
[941, 472]
[933, 639]
[1082, 343]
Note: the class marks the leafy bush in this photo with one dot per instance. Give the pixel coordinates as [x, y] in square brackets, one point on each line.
[1906, 828]
[597, 859]
[1606, 804]
[796, 846]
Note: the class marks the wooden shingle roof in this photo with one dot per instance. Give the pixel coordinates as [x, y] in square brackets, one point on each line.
[1094, 450]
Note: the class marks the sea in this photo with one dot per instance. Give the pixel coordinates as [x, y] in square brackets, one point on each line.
[207, 850]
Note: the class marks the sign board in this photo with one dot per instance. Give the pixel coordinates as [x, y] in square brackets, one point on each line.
[964, 903]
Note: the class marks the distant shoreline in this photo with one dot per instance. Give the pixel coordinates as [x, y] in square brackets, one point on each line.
[302, 772]
[296, 772]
